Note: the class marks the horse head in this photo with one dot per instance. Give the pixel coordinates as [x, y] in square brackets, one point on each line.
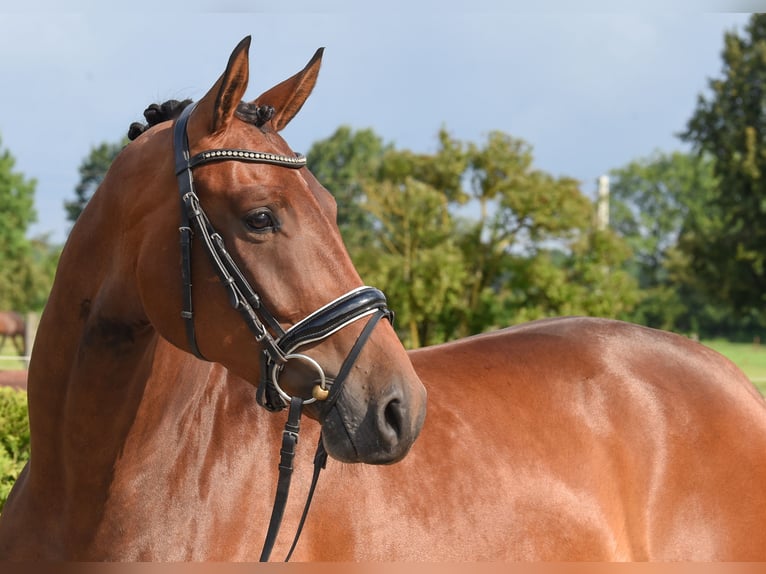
[293, 314]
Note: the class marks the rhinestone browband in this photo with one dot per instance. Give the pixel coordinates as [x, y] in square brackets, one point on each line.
[296, 162]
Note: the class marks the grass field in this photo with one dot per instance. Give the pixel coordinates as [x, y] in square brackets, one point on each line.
[750, 358]
[8, 350]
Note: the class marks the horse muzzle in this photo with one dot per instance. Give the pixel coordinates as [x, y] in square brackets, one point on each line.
[379, 431]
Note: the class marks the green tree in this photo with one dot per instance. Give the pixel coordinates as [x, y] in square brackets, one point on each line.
[504, 228]
[473, 237]
[520, 211]
[43, 260]
[342, 163]
[655, 202]
[414, 256]
[17, 273]
[92, 171]
[414, 246]
[395, 220]
[588, 278]
[729, 124]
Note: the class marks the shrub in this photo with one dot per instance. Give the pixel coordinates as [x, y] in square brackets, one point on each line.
[14, 438]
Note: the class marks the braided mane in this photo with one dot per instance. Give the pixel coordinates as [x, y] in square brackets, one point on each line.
[171, 109]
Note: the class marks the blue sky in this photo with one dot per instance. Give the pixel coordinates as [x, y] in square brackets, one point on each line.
[591, 86]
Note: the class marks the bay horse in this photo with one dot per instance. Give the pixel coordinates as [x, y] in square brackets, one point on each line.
[12, 325]
[209, 252]
[561, 439]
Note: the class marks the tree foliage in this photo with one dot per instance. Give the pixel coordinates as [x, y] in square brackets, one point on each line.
[342, 163]
[729, 125]
[25, 265]
[473, 237]
[413, 253]
[527, 221]
[657, 203]
[92, 171]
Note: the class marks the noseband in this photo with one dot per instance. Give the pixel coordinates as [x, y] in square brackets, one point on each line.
[279, 346]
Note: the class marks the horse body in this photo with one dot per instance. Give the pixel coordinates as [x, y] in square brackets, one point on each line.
[12, 325]
[566, 439]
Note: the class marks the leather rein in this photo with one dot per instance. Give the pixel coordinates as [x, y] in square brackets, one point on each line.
[279, 345]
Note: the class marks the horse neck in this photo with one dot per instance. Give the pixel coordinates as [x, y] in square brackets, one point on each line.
[115, 409]
[91, 351]
[97, 357]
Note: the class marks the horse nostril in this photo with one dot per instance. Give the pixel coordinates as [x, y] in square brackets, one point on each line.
[391, 422]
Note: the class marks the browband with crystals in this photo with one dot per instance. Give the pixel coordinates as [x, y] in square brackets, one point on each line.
[296, 162]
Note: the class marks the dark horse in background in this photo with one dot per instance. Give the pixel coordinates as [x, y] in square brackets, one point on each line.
[12, 325]
[562, 439]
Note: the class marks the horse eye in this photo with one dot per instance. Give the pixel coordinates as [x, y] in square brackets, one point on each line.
[261, 221]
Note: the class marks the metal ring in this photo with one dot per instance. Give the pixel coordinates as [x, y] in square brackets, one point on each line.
[277, 368]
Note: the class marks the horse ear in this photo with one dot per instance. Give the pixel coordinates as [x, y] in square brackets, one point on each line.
[288, 97]
[216, 109]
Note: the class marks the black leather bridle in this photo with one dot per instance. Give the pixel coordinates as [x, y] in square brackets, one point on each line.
[279, 345]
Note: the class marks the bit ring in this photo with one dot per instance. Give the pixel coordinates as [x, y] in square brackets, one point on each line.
[320, 392]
